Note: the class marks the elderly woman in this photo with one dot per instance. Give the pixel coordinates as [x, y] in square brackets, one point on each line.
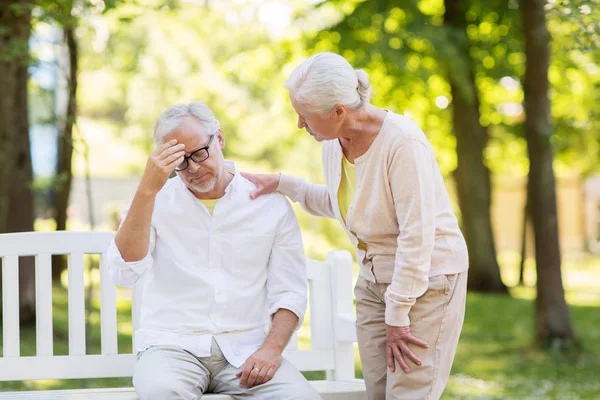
[384, 186]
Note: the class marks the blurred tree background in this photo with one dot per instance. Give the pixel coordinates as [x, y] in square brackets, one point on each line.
[507, 91]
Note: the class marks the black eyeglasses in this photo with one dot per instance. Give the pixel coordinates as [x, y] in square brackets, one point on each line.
[197, 156]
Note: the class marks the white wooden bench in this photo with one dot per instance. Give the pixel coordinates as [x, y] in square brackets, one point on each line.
[332, 319]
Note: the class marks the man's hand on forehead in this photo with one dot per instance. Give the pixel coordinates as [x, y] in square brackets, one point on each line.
[161, 164]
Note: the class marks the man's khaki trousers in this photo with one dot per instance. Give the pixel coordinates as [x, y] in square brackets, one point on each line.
[436, 318]
[171, 373]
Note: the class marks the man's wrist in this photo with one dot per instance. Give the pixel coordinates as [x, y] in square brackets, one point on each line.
[273, 347]
[145, 192]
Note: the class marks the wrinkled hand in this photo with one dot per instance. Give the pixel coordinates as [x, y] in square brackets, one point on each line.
[160, 165]
[260, 367]
[265, 183]
[398, 338]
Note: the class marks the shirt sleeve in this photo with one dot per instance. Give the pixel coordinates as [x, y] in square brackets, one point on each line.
[411, 181]
[125, 273]
[313, 198]
[287, 285]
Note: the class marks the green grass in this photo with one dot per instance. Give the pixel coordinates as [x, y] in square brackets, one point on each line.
[496, 358]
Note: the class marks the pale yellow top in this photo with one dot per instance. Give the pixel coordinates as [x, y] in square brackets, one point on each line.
[210, 204]
[347, 188]
[346, 192]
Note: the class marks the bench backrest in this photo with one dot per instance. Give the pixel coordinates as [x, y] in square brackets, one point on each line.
[330, 301]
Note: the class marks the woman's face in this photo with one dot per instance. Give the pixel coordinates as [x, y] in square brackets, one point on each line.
[321, 127]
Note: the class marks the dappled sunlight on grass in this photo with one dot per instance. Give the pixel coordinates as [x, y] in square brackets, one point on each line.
[466, 387]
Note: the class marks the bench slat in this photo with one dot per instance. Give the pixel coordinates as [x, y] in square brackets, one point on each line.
[137, 296]
[122, 365]
[314, 269]
[62, 242]
[85, 394]
[311, 360]
[10, 306]
[321, 313]
[293, 344]
[108, 310]
[67, 367]
[353, 390]
[76, 305]
[341, 279]
[43, 305]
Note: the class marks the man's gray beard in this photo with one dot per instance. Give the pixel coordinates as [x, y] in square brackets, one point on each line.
[205, 189]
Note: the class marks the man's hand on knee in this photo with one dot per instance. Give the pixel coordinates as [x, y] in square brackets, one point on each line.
[259, 367]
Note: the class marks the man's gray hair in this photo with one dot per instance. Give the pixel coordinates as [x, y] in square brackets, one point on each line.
[173, 117]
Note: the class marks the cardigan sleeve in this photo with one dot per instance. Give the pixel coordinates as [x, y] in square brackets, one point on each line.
[313, 198]
[412, 184]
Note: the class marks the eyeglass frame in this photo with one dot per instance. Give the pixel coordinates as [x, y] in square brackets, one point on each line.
[187, 158]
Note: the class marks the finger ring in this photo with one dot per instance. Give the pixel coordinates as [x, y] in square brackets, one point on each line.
[256, 369]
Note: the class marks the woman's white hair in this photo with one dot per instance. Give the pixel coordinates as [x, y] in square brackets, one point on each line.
[173, 117]
[327, 79]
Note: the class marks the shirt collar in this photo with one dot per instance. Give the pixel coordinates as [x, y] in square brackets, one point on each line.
[230, 166]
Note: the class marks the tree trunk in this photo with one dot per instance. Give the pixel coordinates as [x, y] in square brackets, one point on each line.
[521, 281]
[471, 175]
[526, 219]
[552, 320]
[16, 175]
[65, 149]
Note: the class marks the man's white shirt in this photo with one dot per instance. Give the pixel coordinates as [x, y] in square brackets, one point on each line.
[220, 276]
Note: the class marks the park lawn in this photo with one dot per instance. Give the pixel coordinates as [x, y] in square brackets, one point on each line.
[495, 358]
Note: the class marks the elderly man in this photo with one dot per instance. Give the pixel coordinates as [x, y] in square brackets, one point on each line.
[217, 268]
